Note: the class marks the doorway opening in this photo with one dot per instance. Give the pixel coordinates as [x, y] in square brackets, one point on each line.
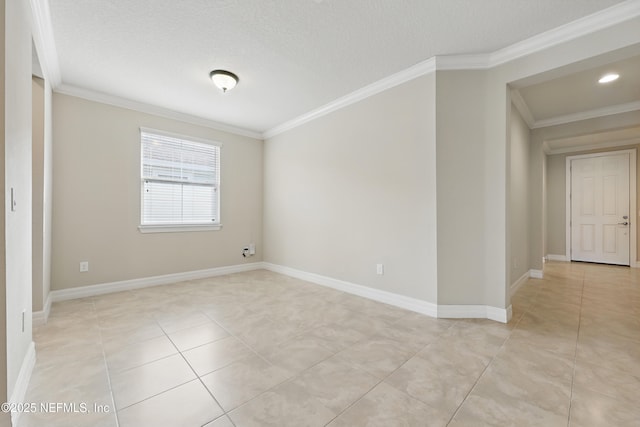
[600, 207]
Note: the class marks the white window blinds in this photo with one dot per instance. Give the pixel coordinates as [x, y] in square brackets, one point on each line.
[180, 181]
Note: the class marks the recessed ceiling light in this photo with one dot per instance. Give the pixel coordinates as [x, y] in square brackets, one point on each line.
[223, 79]
[607, 78]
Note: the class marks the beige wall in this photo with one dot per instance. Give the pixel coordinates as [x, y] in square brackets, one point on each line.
[37, 86]
[17, 172]
[47, 195]
[556, 205]
[96, 211]
[41, 192]
[356, 188]
[556, 197]
[520, 198]
[461, 179]
[537, 203]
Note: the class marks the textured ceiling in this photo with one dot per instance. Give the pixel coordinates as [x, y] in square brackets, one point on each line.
[292, 56]
[580, 92]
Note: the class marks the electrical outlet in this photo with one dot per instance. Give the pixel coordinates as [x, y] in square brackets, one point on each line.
[252, 248]
[84, 266]
[380, 269]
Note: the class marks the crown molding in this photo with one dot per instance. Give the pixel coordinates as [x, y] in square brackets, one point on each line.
[522, 107]
[404, 76]
[47, 53]
[580, 27]
[45, 42]
[586, 115]
[588, 147]
[462, 62]
[570, 31]
[117, 101]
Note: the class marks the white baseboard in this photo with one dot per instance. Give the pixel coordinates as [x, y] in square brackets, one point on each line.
[536, 274]
[521, 281]
[402, 301]
[561, 258]
[145, 282]
[41, 317]
[502, 315]
[424, 307]
[22, 382]
[390, 298]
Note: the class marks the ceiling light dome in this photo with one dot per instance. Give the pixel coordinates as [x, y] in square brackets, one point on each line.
[607, 78]
[224, 80]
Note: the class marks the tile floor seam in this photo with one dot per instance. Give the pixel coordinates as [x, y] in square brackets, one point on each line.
[575, 356]
[216, 419]
[106, 366]
[287, 380]
[485, 369]
[386, 377]
[355, 402]
[380, 382]
[140, 365]
[199, 378]
[157, 394]
[368, 391]
[182, 329]
[225, 412]
[400, 366]
[231, 334]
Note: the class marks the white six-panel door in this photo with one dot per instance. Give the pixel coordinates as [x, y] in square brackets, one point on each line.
[600, 209]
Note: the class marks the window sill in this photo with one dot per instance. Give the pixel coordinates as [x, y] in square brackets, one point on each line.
[177, 228]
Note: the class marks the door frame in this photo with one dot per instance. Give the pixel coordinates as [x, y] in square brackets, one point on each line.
[634, 215]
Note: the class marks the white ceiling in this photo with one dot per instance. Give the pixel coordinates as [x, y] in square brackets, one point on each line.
[292, 56]
[580, 92]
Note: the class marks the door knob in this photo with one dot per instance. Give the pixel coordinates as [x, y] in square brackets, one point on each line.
[623, 223]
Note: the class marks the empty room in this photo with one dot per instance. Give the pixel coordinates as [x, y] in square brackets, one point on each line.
[232, 213]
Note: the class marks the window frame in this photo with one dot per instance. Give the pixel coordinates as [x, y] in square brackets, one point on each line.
[174, 228]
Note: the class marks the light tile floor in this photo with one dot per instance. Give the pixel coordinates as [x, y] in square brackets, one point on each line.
[261, 349]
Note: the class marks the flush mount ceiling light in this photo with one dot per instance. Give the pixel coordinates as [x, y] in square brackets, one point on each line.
[607, 78]
[224, 80]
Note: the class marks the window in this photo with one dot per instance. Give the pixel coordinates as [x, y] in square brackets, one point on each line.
[180, 183]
